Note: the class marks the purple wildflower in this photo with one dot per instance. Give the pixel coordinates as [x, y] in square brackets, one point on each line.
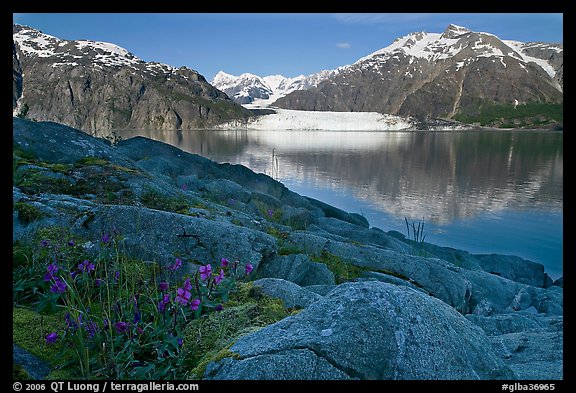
[177, 265]
[164, 286]
[219, 278]
[270, 213]
[205, 271]
[86, 266]
[248, 268]
[137, 317]
[194, 304]
[219, 307]
[224, 262]
[116, 276]
[180, 341]
[71, 243]
[121, 327]
[51, 338]
[52, 269]
[73, 274]
[91, 329]
[59, 286]
[182, 297]
[162, 305]
[44, 243]
[187, 285]
[97, 281]
[105, 238]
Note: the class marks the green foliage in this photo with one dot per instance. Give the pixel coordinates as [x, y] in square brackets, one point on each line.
[19, 153]
[530, 113]
[91, 160]
[273, 231]
[270, 213]
[153, 199]
[90, 175]
[33, 181]
[418, 235]
[342, 270]
[110, 317]
[27, 212]
[29, 329]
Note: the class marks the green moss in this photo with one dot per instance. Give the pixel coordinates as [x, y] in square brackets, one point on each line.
[61, 374]
[342, 270]
[277, 233]
[29, 330]
[27, 213]
[248, 310]
[35, 182]
[198, 371]
[19, 152]
[289, 249]
[153, 199]
[91, 160]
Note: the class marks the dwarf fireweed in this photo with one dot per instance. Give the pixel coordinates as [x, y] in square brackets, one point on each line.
[124, 319]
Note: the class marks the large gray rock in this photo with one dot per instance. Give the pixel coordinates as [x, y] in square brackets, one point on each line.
[366, 330]
[516, 322]
[513, 268]
[157, 235]
[532, 355]
[223, 190]
[297, 268]
[291, 294]
[492, 294]
[53, 142]
[361, 234]
[439, 278]
[331, 211]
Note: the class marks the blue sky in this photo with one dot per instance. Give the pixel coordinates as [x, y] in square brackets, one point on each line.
[282, 43]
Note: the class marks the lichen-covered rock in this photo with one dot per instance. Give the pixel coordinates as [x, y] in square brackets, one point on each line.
[366, 330]
[439, 278]
[159, 236]
[297, 268]
[293, 295]
[514, 268]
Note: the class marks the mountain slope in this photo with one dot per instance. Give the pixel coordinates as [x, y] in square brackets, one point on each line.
[96, 85]
[457, 74]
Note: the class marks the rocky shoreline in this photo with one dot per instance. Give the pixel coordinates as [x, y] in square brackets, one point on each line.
[374, 304]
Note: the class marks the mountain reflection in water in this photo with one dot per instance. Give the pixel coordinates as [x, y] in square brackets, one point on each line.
[481, 191]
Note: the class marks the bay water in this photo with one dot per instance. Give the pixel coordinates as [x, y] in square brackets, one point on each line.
[480, 191]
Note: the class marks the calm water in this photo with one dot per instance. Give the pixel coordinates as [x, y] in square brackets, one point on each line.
[483, 192]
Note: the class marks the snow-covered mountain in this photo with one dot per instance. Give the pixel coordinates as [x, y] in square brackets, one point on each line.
[94, 85]
[458, 73]
[253, 89]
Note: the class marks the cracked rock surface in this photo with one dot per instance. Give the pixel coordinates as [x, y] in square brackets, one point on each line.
[366, 330]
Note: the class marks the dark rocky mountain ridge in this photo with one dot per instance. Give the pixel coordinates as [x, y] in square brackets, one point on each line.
[96, 85]
[458, 74]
